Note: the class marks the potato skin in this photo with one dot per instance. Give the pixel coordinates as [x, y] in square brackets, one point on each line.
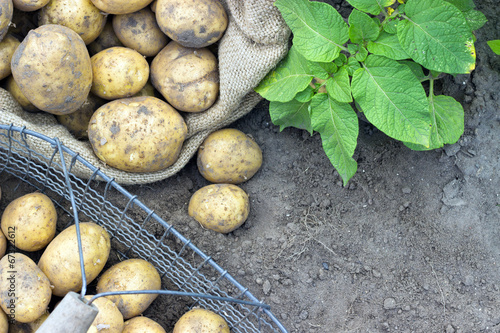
[32, 288]
[6, 12]
[219, 207]
[61, 263]
[29, 5]
[52, 68]
[229, 156]
[142, 325]
[196, 23]
[77, 122]
[188, 78]
[201, 321]
[118, 72]
[121, 7]
[18, 95]
[109, 316]
[139, 31]
[131, 274]
[4, 322]
[7, 47]
[138, 134]
[105, 40]
[79, 15]
[32, 221]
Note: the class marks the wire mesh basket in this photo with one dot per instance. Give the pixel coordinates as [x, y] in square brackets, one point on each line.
[135, 230]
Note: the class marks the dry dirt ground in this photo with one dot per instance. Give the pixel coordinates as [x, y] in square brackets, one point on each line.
[412, 244]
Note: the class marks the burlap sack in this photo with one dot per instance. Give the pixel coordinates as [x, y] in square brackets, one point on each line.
[255, 41]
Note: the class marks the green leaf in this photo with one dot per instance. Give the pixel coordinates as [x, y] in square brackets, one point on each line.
[391, 26]
[342, 59]
[462, 5]
[361, 54]
[415, 68]
[447, 122]
[305, 95]
[387, 45]
[352, 65]
[292, 113]
[328, 67]
[338, 87]
[319, 31]
[475, 19]
[392, 99]
[337, 124]
[437, 36]
[494, 45]
[373, 7]
[293, 74]
[361, 27]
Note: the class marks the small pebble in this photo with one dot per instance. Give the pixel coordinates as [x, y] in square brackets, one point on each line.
[266, 287]
[406, 190]
[469, 280]
[326, 266]
[389, 303]
[303, 314]
[259, 281]
[450, 329]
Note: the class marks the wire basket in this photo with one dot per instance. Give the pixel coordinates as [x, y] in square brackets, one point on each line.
[135, 230]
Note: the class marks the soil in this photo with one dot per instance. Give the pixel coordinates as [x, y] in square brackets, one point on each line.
[411, 244]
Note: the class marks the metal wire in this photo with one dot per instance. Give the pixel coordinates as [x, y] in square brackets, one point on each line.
[176, 258]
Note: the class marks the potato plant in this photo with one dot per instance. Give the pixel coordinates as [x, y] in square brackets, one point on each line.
[376, 61]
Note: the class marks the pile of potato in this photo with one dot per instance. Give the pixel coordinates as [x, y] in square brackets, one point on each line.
[27, 288]
[120, 73]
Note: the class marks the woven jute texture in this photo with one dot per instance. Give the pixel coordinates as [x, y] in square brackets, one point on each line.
[255, 41]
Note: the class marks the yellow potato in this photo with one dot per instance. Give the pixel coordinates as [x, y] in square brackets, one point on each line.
[147, 90]
[201, 321]
[6, 13]
[30, 221]
[219, 207]
[131, 274]
[18, 95]
[24, 289]
[7, 47]
[188, 78]
[29, 5]
[4, 322]
[138, 134]
[142, 325]
[32, 327]
[109, 319]
[118, 72]
[78, 122]
[52, 68]
[79, 15]
[3, 244]
[121, 7]
[61, 262]
[139, 31]
[196, 23]
[229, 156]
[105, 40]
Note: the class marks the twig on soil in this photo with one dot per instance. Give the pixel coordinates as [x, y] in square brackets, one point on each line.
[440, 290]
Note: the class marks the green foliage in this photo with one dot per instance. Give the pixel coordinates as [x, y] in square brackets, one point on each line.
[494, 45]
[377, 62]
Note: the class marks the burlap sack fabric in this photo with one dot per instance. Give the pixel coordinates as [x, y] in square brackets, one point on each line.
[255, 41]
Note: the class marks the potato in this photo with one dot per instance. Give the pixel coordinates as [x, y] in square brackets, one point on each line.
[229, 156]
[131, 274]
[188, 78]
[4, 322]
[105, 40]
[142, 325]
[147, 90]
[79, 15]
[121, 7]
[29, 5]
[139, 31]
[61, 262]
[3, 244]
[18, 95]
[219, 207]
[7, 47]
[201, 321]
[138, 134]
[24, 289]
[52, 68]
[109, 319]
[32, 327]
[6, 13]
[197, 23]
[31, 220]
[118, 72]
[78, 122]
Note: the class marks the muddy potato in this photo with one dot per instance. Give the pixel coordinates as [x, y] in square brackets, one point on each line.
[6, 12]
[188, 78]
[12, 87]
[32, 288]
[142, 325]
[109, 319]
[29, 5]
[77, 122]
[131, 274]
[229, 156]
[121, 7]
[139, 31]
[147, 90]
[4, 322]
[138, 134]
[79, 15]
[31, 219]
[105, 40]
[61, 263]
[52, 68]
[32, 327]
[196, 23]
[118, 72]
[201, 321]
[219, 207]
[7, 47]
